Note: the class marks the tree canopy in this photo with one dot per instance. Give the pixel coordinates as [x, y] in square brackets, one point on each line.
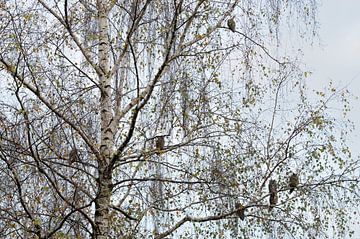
[168, 119]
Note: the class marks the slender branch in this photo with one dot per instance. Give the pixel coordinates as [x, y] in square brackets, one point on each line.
[38, 94]
[75, 38]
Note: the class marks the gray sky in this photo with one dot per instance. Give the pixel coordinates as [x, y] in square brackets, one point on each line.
[338, 57]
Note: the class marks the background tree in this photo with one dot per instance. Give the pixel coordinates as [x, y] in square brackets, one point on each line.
[90, 86]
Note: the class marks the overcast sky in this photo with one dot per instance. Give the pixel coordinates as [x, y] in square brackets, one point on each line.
[338, 57]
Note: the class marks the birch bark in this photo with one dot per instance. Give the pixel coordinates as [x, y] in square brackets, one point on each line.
[102, 200]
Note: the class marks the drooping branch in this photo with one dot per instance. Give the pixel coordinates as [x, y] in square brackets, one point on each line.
[144, 97]
[74, 36]
[13, 71]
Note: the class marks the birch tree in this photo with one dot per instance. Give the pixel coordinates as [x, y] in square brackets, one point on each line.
[153, 119]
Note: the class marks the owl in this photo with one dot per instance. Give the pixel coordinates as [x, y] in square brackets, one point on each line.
[272, 186]
[293, 182]
[240, 211]
[231, 24]
[73, 155]
[160, 144]
[273, 200]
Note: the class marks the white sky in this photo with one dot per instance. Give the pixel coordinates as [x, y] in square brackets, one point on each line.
[338, 57]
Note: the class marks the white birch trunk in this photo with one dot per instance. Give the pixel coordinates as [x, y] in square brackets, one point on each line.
[102, 201]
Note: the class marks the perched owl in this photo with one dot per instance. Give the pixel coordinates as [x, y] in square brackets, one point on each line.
[273, 200]
[73, 155]
[231, 24]
[293, 182]
[240, 211]
[272, 186]
[160, 143]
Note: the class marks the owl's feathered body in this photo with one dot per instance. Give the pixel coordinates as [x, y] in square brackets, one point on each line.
[240, 211]
[273, 199]
[272, 186]
[231, 24]
[160, 144]
[73, 155]
[293, 182]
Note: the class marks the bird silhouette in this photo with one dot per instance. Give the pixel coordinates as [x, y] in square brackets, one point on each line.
[273, 199]
[293, 182]
[240, 211]
[73, 155]
[272, 186]
[231, 24]
[160, 144]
